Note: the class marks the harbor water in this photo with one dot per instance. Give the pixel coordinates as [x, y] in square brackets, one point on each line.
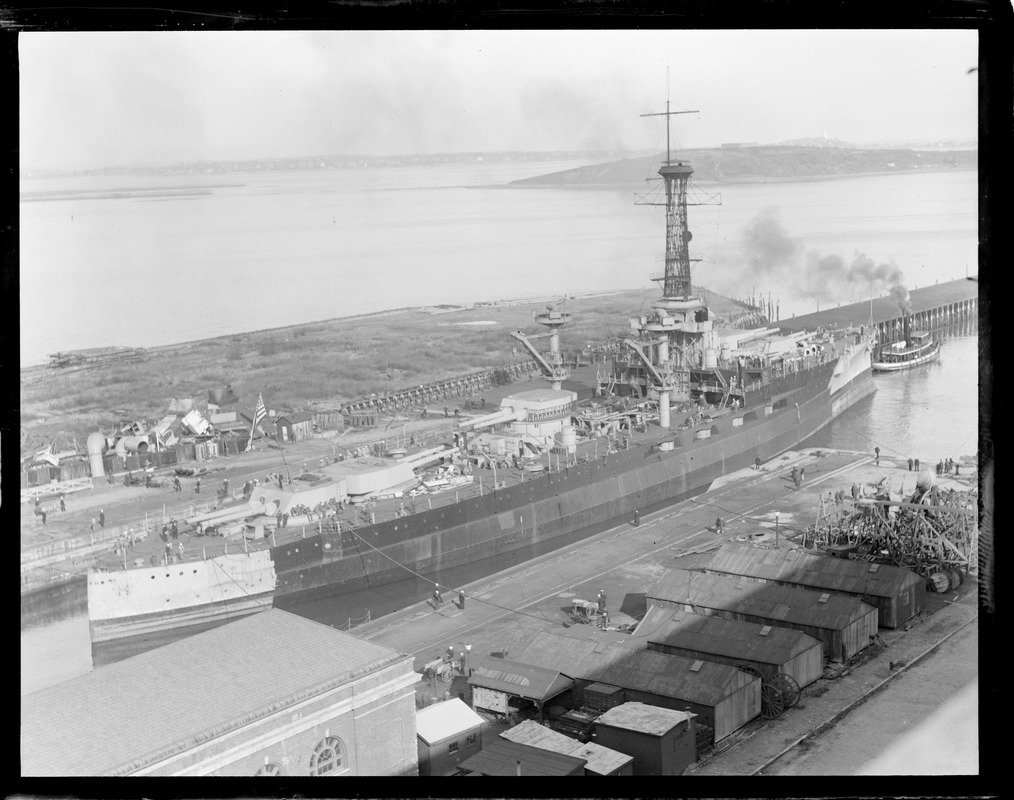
[115, 283]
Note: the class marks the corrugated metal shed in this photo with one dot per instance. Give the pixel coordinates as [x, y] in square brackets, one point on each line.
[642, 670]
[171, 708]
[746, 641]
[809, 569]
[443, 720]
[526, 680]
[844, 624]
[770, 601]
[882, 584]
[600, 760]
[643, 718]
[500, 758]
[770, 649]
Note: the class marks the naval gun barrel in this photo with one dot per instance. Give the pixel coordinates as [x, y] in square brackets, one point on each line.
[507, 414]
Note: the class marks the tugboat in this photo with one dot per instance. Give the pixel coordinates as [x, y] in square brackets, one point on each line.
[917, 347]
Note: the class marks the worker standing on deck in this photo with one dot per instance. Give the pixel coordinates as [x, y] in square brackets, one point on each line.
[910, 462]
[63, 505]
[175, 528]
[720, 526]
[225, 486]
[102, 518]
[876, 451]
[197, 489]
[917, 465]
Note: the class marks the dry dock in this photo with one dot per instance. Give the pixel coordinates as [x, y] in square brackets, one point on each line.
[503, 612]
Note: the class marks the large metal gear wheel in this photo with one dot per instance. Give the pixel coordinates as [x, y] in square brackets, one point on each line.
[772, 704]
[788, 688]
[753, 670]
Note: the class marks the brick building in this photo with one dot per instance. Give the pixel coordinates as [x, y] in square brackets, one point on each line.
[270, 694]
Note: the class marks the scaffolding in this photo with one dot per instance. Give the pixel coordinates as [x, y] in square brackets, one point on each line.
[936, 532]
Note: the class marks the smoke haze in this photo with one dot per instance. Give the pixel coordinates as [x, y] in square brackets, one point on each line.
[770, 254]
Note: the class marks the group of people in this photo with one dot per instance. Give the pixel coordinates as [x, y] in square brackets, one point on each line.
[947, 466]
[438, 598]
[944, 467]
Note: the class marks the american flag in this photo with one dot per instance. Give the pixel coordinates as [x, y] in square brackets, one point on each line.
[259, 413]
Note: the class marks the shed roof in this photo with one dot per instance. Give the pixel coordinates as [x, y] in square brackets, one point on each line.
[601, 760]
[533, 682]
[443, 720]
[793, 565]
[294, 417]
[702, 682]
[643, 718]
[188, 692]
[787, 604]
[501, 757]
[749, 641]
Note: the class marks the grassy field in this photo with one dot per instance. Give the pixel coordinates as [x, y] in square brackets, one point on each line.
[322, 363]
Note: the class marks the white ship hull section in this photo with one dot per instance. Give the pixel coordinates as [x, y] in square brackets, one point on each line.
[233, 581]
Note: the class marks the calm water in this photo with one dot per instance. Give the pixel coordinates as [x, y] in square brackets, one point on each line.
[347, 234]
[261, 250]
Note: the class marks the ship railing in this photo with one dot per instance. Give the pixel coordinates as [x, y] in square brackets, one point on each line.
[354, 622]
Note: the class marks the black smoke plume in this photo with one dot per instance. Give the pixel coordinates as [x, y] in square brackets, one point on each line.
[770, 252]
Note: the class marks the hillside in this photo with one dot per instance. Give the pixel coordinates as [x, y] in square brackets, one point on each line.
[764, 163]
[317, 365]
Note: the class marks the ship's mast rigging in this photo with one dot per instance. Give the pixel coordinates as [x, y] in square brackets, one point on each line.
[676, 280]
[674, 339]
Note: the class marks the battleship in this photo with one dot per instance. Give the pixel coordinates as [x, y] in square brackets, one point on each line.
[681, 404]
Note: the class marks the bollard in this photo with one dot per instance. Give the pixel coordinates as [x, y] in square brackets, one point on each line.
[637, 518]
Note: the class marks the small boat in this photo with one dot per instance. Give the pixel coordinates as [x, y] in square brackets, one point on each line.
[915, 349]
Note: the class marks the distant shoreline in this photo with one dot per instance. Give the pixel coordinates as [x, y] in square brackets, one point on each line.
[164, 349]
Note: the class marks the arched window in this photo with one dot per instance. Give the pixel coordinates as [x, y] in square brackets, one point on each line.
[270, 770]
[328, 757]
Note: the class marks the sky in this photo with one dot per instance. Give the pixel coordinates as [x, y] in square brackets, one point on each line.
[122, 98]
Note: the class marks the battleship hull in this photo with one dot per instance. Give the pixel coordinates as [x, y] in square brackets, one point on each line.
[544, 512]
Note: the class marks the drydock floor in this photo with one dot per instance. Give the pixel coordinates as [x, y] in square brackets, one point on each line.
[504, 611]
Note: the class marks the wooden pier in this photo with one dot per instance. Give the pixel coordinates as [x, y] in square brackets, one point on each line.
[934, 307]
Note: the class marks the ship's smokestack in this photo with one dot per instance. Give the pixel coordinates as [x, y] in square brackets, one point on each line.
[906, 328]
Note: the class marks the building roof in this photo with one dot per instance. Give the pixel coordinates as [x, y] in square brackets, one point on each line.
[642, 718]
[601, 760]
[501, 757]
[793, 565]
[295, 417]
[748, 641]
[633, 667]
[443, 720]
[532, 682]
[144, 709]
[740, 595]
